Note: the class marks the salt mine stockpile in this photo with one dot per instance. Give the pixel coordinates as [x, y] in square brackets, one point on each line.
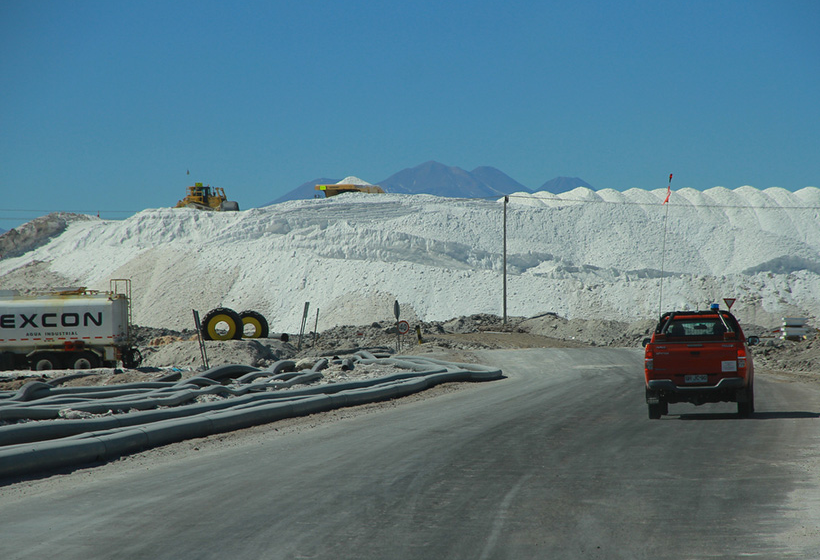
[583, 253]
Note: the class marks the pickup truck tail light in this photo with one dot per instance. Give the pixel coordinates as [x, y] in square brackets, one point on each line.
[741, 358]
[649, 359]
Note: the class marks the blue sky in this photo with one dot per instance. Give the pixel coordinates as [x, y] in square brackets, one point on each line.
[104, 105]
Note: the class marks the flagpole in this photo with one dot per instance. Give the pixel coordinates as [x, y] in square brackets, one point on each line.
[663, 250]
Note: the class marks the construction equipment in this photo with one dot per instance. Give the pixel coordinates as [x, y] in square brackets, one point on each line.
[206, 197]
[339, 188]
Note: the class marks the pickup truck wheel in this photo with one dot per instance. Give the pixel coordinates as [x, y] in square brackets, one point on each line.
[655, 411]
[84, 360]
[664, 408]
[747, 408]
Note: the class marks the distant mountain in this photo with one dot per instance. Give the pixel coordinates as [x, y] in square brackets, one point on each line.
[305, 190]
[498, 180]
[564, 184]
[438, 179]
[441, 180]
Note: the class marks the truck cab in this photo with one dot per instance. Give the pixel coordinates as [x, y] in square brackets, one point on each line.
[698, 357]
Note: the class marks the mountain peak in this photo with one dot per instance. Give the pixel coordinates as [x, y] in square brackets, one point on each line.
[432, 177]
[436, 178]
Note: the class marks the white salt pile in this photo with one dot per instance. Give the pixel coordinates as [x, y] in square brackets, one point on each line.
[351, 180]
[589, 254]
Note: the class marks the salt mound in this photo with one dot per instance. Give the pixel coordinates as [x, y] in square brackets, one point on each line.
[351, 180]
[31, 235]
[582, 254]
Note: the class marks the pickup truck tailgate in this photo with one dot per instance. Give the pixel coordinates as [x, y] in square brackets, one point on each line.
[687, 358]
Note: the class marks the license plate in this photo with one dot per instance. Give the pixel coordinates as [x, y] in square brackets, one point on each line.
[695, 378]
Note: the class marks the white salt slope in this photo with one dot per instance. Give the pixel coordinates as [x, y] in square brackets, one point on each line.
[351, 180]
[579, 254]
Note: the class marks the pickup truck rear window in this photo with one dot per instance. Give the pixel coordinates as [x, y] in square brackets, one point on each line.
[696, 328]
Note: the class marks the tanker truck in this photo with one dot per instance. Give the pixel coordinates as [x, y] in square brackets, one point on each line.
[67, 329]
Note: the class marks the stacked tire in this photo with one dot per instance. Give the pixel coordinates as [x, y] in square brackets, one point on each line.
[254, 325]
[223, 323]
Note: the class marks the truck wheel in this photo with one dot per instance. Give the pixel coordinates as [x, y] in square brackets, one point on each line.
[131, 358]
[254, 325]
[84, 360]
[221, 324]
[747, 407]
[654, 411]
[7, 360]
[44, 361]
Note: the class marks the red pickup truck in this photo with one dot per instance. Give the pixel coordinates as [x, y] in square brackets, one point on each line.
[699, 357]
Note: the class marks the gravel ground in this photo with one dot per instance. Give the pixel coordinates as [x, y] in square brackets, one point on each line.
[169, 352]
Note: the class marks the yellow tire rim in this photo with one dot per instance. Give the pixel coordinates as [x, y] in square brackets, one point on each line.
[254, 322]
[215, 321]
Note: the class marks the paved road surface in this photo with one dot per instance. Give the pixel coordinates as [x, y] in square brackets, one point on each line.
[558, 460]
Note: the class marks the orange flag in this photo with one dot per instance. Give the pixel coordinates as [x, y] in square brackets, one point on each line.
[668, 191]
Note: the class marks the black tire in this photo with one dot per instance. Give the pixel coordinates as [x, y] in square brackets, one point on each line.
[254, 325]
[83, 360]
[45, 361]
[664, 408]
[654, 411]
[746, 408]
[131, 358]
[221, 324]
[7, 361]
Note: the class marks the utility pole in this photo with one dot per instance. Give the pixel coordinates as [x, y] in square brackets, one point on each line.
[506, 200]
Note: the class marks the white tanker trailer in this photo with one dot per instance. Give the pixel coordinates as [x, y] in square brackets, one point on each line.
[67, 329]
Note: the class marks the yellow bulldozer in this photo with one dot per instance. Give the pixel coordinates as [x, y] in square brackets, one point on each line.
[206, 197]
